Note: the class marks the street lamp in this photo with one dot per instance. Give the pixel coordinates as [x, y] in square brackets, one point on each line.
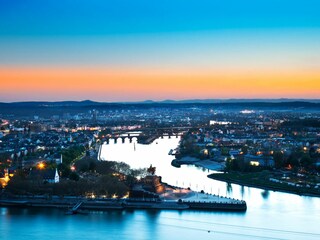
[41, 165]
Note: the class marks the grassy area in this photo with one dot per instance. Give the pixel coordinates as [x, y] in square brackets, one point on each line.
[261, 180]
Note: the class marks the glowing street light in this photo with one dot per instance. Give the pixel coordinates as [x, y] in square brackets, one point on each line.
[41, 165]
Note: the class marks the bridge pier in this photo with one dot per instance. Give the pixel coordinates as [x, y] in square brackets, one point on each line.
[154, 133]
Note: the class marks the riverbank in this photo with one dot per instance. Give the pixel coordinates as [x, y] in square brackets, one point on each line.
[173, 198]
[208, 204]
[262, 180]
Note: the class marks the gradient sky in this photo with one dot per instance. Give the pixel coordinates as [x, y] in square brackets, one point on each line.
[127, 50]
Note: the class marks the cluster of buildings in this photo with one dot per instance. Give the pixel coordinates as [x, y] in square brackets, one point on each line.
[255, 137]
[26, 144]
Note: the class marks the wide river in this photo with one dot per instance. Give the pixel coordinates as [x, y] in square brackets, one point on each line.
[270, 215]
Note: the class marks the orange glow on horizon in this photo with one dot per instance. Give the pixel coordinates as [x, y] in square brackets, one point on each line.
[134, 84]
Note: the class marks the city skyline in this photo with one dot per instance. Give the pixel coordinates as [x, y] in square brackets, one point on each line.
[133, 51]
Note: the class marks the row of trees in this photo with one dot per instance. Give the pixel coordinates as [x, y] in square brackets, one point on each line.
[188, 146]
[103, 185]
[98, 177]
[72, 153]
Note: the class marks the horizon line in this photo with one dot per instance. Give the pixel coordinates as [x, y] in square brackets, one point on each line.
[169, 100]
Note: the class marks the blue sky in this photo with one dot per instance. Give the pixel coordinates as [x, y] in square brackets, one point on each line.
[172, 37]
[160, 33]
[103, 17]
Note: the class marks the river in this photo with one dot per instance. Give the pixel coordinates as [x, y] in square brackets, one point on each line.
[270, 215]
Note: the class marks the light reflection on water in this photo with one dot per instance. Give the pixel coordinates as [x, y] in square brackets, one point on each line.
[270, 215]
[265, 208]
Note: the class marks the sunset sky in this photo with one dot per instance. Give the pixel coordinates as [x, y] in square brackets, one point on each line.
[127, 50]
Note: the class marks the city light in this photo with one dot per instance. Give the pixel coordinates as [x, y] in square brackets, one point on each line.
[126, 196]
[247, 111]
[41, 165]
[254, 163]
[4, 181]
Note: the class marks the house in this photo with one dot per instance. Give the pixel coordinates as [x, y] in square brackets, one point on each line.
[260, 160]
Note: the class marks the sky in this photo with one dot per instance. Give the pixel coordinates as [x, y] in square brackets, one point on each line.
[126, 50]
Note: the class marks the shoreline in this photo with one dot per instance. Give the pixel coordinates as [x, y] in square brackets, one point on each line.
[225, 177]
[124, 204]
[275, 188]
[173, 199]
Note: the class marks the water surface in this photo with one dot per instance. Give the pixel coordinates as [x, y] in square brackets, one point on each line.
[270, 215]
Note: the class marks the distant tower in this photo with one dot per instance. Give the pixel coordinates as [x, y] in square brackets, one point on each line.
[94, 115]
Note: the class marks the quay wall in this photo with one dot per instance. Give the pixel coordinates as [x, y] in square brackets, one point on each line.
[120, 204]
[221, 206]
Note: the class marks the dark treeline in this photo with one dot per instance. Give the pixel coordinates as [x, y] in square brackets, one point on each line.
[90, 176]
[298, 124]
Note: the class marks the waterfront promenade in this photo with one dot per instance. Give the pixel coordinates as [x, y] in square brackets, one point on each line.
[184, 194]
[173, 198]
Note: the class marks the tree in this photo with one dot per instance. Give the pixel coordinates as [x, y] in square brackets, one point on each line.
[229, 164]
[121, 167]
[306, 161]
[105, 167]
[225, 151]
[110, 185]
[244, 149]
[71, 154]
[278, 159]
[74, 176]
[64, 170]
[86, 164]
[293, 159]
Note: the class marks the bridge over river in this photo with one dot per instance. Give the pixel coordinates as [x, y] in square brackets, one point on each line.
[143, 136]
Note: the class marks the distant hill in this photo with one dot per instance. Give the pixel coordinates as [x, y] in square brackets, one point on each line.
[168, 101]
[231, 100]
[255, 102]
[59, 108]
[48, 104]
[235, 100]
